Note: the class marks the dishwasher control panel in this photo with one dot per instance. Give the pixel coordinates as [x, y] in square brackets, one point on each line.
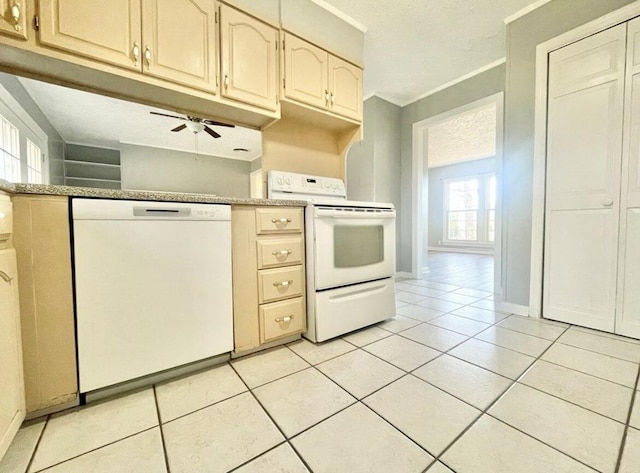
[103, 209]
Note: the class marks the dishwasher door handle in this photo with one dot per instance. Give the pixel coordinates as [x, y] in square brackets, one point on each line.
[161, 212]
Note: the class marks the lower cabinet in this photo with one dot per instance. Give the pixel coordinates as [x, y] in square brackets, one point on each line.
[42, 242]
[12, 408]
[268, 275]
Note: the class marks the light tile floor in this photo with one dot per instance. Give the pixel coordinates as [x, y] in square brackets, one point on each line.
[469, 390]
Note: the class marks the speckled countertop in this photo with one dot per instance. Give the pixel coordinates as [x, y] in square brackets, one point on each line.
[45, 189]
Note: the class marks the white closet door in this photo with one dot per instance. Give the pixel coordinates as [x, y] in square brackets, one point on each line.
[628, 306]
[585, 111]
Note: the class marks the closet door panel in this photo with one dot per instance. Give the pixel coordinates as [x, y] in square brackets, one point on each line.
[628, 301]
[584, 148]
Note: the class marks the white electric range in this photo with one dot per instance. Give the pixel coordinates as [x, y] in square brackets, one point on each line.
[351, 254]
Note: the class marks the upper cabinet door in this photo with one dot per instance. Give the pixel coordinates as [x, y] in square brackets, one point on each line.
[106, 31]
[13, 18]
[306, 76]
[345, 86]
[179, 42]
[249, 64]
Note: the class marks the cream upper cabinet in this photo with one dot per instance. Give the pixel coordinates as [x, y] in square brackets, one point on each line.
[249, 59]
[314, 77]
[13, 18]
[345, 88]
[179, 42]
[306, 77]
[105, 31]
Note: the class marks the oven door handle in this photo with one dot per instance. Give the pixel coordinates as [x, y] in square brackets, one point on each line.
[332, 213]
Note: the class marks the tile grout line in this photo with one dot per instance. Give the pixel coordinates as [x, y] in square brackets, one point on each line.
[535, 438]
[360, 401]
[235, 468]
[164, 445]
[202, 408]
[94, 449]
[627, 425]
[35, 448]
[566, 400]
[588, 374]
[485, 411]
[286, 439]
[600, 353]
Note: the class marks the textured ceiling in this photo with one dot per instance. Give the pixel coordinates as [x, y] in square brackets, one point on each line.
[95, 120]
[414, 46]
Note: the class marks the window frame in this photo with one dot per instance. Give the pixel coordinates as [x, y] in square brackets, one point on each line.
[482, 222]
[27, 127]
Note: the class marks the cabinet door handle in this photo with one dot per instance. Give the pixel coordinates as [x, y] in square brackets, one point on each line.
[333, 99]
[147, 56]
[16, 13]
[287, 318]
[136, 53]
[326, 97]
[226, 82]
[607, 202]
[5, 277]
[281, 220]
[283, 283]
[281, 253]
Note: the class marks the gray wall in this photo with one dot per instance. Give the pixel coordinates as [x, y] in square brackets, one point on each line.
[482, 85]
[313, 23]
[435, 227]
[373, 164]
[145, 168]
[56, 143]
[523, 35]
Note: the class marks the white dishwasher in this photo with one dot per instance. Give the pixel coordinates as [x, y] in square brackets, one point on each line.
[153, 287]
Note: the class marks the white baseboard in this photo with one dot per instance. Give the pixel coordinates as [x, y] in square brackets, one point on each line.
[509, 308]
[404, 274]
[425, 270]
[453, 249]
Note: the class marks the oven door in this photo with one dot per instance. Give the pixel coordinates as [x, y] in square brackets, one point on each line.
[353, 245]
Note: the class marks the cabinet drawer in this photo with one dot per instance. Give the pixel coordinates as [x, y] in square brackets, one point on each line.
[281, 319]
[281, 283]
[284, 252]
[281, 220]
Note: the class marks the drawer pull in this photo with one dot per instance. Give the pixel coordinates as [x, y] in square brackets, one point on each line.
[288, 318]
[281, 253]
[284, 221]
[283, 283]
[4, 276]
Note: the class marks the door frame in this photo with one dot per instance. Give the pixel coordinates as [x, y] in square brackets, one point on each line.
[609, 20]
[420, 192]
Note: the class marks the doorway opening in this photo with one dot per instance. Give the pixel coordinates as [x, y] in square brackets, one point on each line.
[456, 225]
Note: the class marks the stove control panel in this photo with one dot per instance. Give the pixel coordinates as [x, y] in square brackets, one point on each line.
[280, 181]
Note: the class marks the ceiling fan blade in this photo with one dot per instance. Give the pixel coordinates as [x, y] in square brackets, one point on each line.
[165, 115]
[211, 132]
[215, 123]
[180, 127]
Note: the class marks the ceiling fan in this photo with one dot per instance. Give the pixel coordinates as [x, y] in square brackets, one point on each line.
[195, 124]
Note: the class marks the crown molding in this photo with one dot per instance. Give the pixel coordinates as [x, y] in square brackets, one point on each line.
[454, 82]
[525, 11]
[343, 16]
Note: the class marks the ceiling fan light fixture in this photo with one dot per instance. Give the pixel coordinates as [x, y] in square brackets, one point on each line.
[195, 127]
